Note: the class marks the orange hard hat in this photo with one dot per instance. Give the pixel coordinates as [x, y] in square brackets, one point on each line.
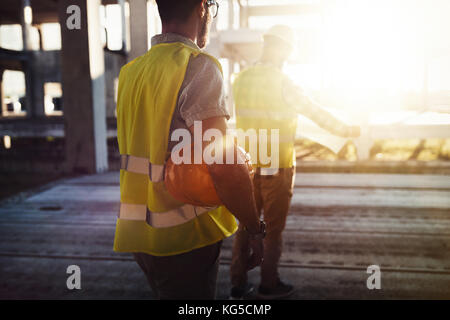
[192, 183]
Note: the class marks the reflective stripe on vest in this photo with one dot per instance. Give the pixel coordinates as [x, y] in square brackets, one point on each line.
[140, 212]
[267, 171]
[142, 166]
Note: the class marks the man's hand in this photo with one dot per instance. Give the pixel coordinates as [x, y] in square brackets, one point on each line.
[257, 248]
[354, 131]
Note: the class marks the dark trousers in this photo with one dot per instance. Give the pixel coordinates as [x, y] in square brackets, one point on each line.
[273, 197]
[191, 275]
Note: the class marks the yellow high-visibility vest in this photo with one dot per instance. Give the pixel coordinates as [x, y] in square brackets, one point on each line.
[150, 219]
[258, 96]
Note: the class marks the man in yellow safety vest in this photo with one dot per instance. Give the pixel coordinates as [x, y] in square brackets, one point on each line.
[266, 99]
[173, 85]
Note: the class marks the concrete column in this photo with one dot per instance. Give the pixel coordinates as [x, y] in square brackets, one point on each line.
[33, 82]
[26, 20]
[2, 110]
[138, 28]
[37, 105]
[123, 21]
[41, 40]
[83, 83]
[365, 142]
[29, 101]
[243, 16]
[230, 14]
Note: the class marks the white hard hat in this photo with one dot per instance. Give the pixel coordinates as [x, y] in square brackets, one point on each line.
[282, 32]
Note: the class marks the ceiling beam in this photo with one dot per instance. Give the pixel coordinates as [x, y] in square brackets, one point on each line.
[283, 10]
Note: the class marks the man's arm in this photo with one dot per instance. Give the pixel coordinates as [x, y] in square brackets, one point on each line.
[233, 183]
[296, 98]
[235, 189]
[202, 98]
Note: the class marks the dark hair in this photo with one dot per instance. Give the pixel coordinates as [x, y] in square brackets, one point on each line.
[176, 10]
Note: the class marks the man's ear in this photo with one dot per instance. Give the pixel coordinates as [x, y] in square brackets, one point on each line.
[201, 8]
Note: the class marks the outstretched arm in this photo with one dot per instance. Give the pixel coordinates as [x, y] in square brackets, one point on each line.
[297, 99]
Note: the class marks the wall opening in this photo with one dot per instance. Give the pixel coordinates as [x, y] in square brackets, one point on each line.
[53, 99]
[14, 100]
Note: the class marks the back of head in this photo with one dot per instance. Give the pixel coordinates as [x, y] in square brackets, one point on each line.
[176, 10]
[282, 33]
[279, 42]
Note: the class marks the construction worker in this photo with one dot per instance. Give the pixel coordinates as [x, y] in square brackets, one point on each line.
[265, 98]
[173, 85]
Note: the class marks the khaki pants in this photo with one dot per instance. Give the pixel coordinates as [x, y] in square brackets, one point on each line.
[191, 275]
[273, 197]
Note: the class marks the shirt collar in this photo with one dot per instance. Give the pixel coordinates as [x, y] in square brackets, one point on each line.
[173, 37]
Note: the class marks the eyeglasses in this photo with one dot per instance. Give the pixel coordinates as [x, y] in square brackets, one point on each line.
[214, 6]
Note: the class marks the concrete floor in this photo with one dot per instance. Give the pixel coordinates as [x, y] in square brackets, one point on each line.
[339, 224]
